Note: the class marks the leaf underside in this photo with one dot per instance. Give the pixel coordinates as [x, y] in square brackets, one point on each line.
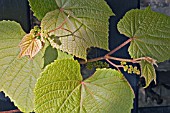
[17, 76]
[150, 32]
[88, 17]
[60, 89]
[30, 46]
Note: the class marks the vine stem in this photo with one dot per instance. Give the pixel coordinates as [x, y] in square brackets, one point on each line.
[117, 66]
[126, 60]
[107, 56]
[11, 111]
[92, 60]
[119, 47]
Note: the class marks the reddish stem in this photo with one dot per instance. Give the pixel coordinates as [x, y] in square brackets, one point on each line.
[82, 83]
[119, 47]
[11, 111]
[107, 56]
[117, 66]
[122, 59]
[92, 60]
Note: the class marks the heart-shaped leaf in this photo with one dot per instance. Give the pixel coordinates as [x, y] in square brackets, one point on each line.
[17, 76]
[150, 32]
[85, 25]
[61, 89]
[30, 45]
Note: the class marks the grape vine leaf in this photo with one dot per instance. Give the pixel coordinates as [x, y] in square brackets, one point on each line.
[17, 75]
[148, 72]
[52, 54]
[150, 32]
[61, 89]
[86, 26]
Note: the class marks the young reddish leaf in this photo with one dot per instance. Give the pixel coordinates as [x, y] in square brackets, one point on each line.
[30, 45]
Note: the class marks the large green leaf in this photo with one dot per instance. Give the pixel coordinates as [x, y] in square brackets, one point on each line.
[89, 18]
[17, 76]
[150, 32]
[148, 72]
[60, 89]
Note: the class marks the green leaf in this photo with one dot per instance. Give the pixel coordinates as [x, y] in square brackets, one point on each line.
[41, 7]
[86, 26]
[52, 54]
[148, 72]
[150, 32]
[17, 76]
[63, 55]
[60, 89]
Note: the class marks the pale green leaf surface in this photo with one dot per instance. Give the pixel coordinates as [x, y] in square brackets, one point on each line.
[41, 7]
[60, 89]
[17, 76]
[150, 32]
[88, 17]
[148, 72]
